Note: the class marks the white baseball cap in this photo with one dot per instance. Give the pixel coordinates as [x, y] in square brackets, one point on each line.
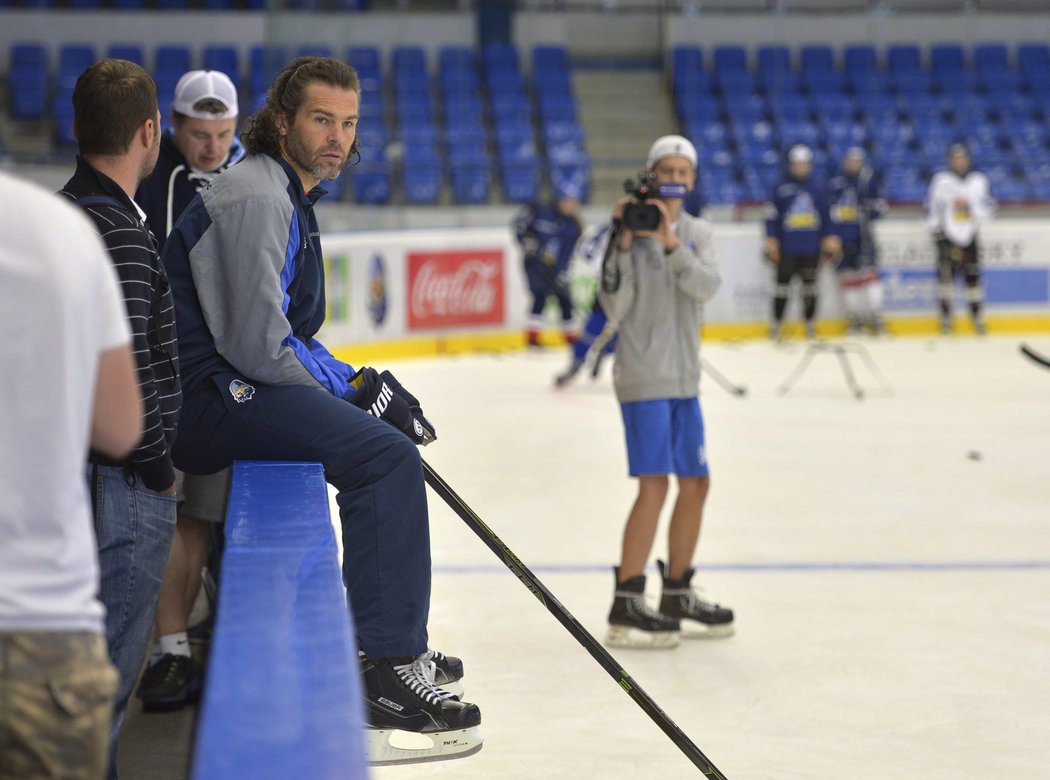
[200, 84]
[800, 153]
[671, 146]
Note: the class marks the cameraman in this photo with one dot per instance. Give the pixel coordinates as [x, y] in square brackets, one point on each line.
[654, 284]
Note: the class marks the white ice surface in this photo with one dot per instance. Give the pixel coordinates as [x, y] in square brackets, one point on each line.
[888, 561]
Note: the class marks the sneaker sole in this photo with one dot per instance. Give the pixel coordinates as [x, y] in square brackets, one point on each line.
[635, 638]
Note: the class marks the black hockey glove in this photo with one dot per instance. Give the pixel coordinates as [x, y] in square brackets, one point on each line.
[382, 396]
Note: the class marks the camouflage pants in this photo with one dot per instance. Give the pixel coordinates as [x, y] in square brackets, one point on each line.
[56, 700]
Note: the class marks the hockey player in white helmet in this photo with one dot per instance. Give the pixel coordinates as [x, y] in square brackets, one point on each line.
[957, 203]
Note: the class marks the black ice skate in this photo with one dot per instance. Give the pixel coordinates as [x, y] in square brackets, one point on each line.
[633, 623]
[411, 719]
[699, 618]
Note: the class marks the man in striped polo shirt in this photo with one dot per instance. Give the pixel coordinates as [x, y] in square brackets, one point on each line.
[117, 124]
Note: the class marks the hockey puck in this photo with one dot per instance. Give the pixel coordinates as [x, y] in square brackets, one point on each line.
[973, 455]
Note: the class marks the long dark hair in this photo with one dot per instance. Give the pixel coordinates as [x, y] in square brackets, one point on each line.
[287, 94]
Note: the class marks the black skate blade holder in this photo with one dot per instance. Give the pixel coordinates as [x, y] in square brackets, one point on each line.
[841, 350]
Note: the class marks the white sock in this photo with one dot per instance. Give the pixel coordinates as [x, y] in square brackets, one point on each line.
[155, 653]
[175, 644]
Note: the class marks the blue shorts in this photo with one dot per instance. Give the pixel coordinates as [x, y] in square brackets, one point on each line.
[665, 436]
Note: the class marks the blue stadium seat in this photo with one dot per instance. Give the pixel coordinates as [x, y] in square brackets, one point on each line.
[364, 58]
[264, 63]
[499, 55]
[471, 182]
[686, 59]
[520, 181]
[315, 50]
[131, 52]
[223, 58]
[994, 55]
[912, 80]
[947, 56]
[372, 182]
[774, 82]
[816, 57]
[1033, 56]
[28, 89]
[172, 57]
[859, 58]
[772, 58]
[903, 55]
[867, 82]
[729, 58]
[73, 59]
[407, 58]
[550, 56]
[823, 82]
[421, 182]
[993, 78]
[735, 81]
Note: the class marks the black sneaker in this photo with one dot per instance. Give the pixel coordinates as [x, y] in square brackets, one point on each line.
[171, 683]
[633, 623]
[567, 376]
[679, 600]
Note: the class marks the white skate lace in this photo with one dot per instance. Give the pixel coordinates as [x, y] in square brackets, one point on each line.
[641, 606]
[419, 677]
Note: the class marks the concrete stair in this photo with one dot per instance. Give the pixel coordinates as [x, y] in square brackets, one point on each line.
[622, 111]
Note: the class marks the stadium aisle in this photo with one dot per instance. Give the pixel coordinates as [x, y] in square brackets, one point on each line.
[886, 559]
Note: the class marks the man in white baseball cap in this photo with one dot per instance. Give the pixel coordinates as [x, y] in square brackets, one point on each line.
[200, 144]
[659, 270]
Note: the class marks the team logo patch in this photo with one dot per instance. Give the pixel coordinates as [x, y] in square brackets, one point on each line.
[417, 426]
[241, 391]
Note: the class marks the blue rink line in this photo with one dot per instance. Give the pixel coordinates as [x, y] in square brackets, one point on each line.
[783, 566]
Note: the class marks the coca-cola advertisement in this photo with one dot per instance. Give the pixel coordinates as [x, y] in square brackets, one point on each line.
[450, 288]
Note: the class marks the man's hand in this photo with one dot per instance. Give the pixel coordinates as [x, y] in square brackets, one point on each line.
[771, 248]
[626, 236]
[830, 248]
[382, 396]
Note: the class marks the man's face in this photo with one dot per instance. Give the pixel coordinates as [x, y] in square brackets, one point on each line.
[150, 160]
[204, 143]
[568, 206]
[317, 144]
[675, 170]
[800, 170]
[852, 165]
[960, 163]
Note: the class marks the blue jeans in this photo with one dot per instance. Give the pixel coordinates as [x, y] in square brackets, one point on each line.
[134, 526]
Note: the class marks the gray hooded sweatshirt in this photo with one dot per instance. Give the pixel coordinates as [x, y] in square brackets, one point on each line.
[658, 309]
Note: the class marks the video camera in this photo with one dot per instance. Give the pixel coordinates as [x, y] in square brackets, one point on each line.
[640, 215]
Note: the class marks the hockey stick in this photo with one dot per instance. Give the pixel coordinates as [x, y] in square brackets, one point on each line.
[1033, 355]
[720, 379]
[555, 607]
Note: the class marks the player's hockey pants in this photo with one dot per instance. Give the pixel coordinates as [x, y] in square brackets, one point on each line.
[376, 470]
[806, 267]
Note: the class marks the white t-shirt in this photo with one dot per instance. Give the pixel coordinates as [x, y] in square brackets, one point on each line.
[957, 205]
[60, 307]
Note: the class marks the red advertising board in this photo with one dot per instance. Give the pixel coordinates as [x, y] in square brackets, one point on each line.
[455, 287]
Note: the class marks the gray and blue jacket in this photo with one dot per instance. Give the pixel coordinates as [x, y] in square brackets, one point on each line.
[247, 275]
[657, 304]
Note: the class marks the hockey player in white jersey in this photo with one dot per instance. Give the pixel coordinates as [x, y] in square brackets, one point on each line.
[957, 203]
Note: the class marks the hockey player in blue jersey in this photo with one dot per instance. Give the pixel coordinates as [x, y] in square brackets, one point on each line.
[799, 233]
[855, 204]
[547, 233]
